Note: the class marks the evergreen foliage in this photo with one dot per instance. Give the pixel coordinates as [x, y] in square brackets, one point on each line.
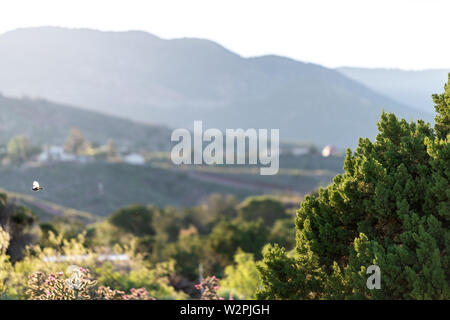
[391, 208]
[263, 207]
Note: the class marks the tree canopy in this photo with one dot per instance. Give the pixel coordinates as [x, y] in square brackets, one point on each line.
[263, 207]
[19, 149]
[75, 142]
[390, 208]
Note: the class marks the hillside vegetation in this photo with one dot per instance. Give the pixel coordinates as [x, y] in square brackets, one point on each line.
[47, 211]
[76, 185]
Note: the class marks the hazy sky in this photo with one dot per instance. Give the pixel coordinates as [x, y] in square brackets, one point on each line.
[408, 34]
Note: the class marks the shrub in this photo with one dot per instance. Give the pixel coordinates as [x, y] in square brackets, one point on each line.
[135, 219]
[79, 286]
[262, 207]
[208, 288]
[390, 208]
[241, 279]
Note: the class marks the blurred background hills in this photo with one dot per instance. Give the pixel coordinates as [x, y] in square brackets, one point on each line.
[139, 76]
[411, 87]
[89, 114]
[44, 122]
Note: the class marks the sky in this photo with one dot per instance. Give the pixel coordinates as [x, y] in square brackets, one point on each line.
[405, 34]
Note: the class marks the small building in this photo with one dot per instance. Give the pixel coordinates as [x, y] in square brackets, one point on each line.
[55, 153]
[329, 151]
[300, 151]
[296, 150]
[134, 159]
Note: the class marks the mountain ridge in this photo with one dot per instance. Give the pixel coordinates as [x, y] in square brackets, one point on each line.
[414, 87]
[45, 122]
[139, 76]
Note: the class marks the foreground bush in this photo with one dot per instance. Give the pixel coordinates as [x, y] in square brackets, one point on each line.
[241, 279]
[208, 288]
[79, 286]
[390, 208]
[121, 275]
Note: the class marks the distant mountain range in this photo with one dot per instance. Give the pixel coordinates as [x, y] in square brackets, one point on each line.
[44, 122]
[414, 88]
[141, 77]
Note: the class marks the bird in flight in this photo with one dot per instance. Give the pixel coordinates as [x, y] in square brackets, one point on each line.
[36, 186]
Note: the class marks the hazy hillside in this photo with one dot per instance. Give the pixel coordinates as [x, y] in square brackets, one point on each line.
[46, 210]
[76, 185]
[49, 123]
[413, 88]
[174, 82]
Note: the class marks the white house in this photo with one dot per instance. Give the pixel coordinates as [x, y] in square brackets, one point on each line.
[134, 159]
[296, 150]
[300, 151]
[55, 153]
[328, 151]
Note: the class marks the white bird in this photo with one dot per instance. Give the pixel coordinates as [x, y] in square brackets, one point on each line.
[36, 186]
